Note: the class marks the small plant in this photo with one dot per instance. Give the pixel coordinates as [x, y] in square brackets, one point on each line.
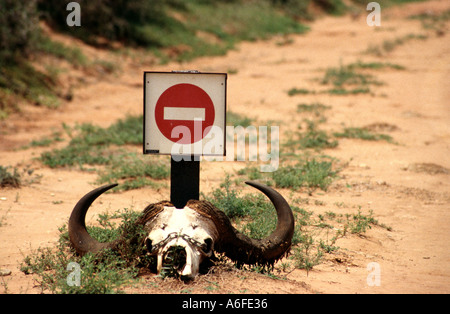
[306, 256]
[9, 177]
[299, 91]
[12, 177]
[389, 45]
[347, 75]
[376, 65]
[364, 134]
[344, 76]
[236, 119]
[45, 141]
[311, 174]
[316, 108]
[253, 173]
[3, 217]
[361, 223]
[432, 21]
[314, 138]
[351, 79]
[229, 200]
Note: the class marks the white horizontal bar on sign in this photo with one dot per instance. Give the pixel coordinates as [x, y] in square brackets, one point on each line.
[183, 113]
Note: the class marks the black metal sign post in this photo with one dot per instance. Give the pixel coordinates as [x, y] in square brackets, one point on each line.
[184, 181]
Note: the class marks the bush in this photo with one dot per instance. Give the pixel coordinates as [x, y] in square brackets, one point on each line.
[311, 174]
[114, 20]
[229, 200]
[19, 28]
[19, 37]
[299, 8]
[9, 179]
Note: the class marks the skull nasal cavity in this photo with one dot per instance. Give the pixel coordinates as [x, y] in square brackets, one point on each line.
[175, 258]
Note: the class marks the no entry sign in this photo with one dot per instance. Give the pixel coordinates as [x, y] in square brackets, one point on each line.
[184, 105]
[184, 112]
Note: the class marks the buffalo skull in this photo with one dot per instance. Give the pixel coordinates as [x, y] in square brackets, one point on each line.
[186, 237]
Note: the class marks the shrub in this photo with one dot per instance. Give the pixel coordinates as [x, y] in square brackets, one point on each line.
[114, 20]
[19, 28]
[9, 179]
[19, 38]
[311, 174]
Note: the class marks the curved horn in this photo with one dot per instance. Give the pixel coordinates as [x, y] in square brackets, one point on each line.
[243, 249]
[79, 237]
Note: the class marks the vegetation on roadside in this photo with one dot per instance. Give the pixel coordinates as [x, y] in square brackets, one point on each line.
[351, 79]
[112, 272]
[168, 23]
[113, 151]
[364, 134]
[170, 29]
[388, 46]
[311, 138]
[55, 269]
[432, 21]
[22, 42]
[315, 235]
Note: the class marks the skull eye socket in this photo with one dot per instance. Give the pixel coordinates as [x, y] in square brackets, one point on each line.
[148, 244]
[207, 245]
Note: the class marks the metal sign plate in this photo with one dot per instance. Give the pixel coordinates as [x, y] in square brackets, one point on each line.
[184, 113]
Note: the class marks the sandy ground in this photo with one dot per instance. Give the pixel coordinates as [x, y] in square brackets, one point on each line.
[405, 184]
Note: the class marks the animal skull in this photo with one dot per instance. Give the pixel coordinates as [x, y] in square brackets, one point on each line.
[184, 238]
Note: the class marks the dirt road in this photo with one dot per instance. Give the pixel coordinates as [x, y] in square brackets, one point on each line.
[406, 184]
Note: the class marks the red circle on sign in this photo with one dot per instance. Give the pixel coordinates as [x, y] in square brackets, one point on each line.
[179, 99]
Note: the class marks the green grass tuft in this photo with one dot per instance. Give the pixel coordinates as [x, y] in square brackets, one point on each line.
[364, 134]
[311, 174]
